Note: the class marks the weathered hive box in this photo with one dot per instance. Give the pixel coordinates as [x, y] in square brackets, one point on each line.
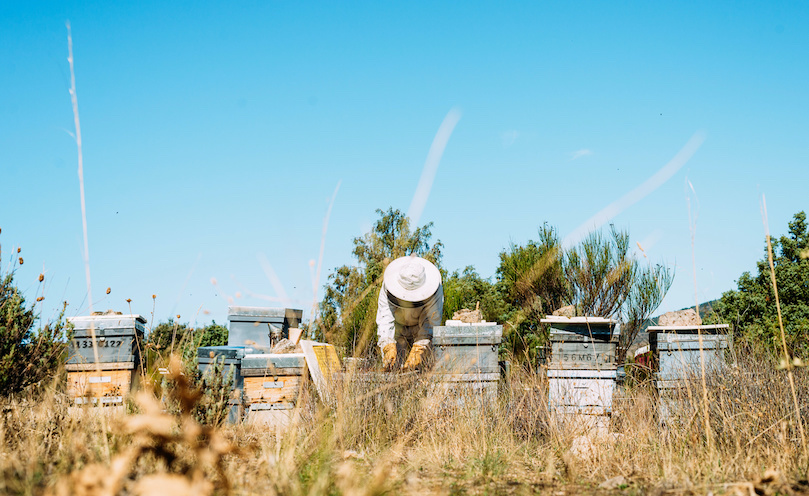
[582, 343]
[229, 358]
[272, 385]
[585, 392]
[466, 357]
[110, 378]
[582, 367]
[253, 326]
[677, 354]
[677, 359]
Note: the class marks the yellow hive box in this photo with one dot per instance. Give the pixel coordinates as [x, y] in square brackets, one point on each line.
[108, 387]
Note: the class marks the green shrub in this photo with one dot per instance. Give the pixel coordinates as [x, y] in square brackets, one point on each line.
[211, 390]
[27, 356]
[750, 309]
[173, 337]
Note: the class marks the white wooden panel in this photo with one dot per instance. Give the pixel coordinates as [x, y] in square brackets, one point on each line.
[581, 392]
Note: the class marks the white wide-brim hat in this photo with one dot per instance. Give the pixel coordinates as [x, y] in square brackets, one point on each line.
[412, 279]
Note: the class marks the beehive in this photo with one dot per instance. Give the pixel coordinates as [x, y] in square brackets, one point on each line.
[105, 373]
[466, 357]
[272, 386]
[253, 326]
[582, 367]
[229, 358]
[678, 357]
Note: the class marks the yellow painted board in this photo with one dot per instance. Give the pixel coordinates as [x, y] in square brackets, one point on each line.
[107, 383]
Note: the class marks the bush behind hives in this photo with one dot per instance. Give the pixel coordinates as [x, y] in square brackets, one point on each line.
[750, 309]
[27, 356]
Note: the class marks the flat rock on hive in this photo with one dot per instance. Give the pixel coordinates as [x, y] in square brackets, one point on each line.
[286, 346]
[687, 317]
[566, 311]
[469, 316]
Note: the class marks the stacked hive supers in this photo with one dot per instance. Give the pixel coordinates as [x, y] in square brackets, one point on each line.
[678, 359]
[254, 326]
[247, 355]
[466, 357]
[228, 359]
[582, 368]
[105, 373]
[272, 385]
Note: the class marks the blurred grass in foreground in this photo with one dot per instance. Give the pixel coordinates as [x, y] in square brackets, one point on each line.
[406, 434]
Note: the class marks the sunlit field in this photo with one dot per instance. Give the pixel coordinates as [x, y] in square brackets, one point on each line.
[405, 435]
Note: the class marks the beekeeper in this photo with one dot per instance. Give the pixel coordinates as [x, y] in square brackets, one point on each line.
[411, 302]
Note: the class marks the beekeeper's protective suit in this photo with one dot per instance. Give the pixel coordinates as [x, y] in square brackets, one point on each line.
[411, 302]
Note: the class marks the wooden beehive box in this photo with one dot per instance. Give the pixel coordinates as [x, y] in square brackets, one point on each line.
[582, 368]
[105, 373]
[467, 349]
[581, 343]
[229, 359]
[677, 359]
[107, 387]
[253, 326]
[585, 392]
[677, 354]
[273, 378]
[466, 357]
[272, 385]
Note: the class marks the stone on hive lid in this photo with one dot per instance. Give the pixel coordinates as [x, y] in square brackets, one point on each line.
[469, 316]
[687, 317]
[566, 311]
[286, 346]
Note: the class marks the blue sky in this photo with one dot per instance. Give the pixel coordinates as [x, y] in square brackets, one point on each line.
[216, 134]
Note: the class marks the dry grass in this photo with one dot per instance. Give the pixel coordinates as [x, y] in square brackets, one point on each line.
[405, 435]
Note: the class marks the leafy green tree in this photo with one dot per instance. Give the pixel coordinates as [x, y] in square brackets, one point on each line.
[530, 284]
[168, 335]
[607, 281]
[650, 286]
[211, 335]
[750, 308]
[348, 310]
[182, 339]
[27, 356]
[601, 273]
[466, 289]
[599, 277]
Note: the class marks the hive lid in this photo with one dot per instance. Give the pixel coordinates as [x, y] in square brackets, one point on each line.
[108, 321]
[229, 352]
[277, 360]
[598, 327]
[264, 314]
[483, 334]
[552, 319]
[692, 329]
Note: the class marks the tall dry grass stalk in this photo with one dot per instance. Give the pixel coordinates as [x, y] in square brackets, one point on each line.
[692, 225]
[74, 99]
[788, 363]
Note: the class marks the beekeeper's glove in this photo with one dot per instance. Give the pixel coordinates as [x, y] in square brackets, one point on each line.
[388, 356]
[416, 357]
